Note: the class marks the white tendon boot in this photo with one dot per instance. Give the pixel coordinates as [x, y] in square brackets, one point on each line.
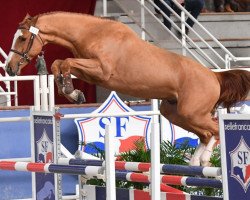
[206, 155]
[195, 160]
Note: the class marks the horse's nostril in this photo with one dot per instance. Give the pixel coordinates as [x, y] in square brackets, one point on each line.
[9, 71]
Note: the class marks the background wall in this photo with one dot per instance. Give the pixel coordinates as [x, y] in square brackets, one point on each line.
[13, 11]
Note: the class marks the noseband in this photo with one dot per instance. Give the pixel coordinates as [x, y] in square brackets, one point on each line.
[24, 55]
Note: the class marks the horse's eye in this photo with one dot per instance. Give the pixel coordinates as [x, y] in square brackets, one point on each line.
[22, 38]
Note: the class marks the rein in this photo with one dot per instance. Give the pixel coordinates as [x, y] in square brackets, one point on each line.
[24, 55]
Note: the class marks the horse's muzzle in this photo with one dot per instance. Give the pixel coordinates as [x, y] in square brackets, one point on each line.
[9, 71]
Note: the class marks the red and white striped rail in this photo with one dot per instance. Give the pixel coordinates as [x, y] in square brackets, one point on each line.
[50, 168]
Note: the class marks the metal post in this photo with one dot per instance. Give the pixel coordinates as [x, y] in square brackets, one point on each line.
[3, 53]
[155, 162]
[143, 35]
[16, 91]
[44, 92]
[155, 152]
[8, 97]
[37, 101]
[105, 5]
[183, 32]
[227, 62]
[51, 92]
[110, 163]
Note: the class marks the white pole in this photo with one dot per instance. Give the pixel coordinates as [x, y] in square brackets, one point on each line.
[65, 151]
[3, 53]
[227, 62]
[14, 119]
[143, 35]
[6, 93]
[105, 9]
[28, 159]
[183, 31]
[155, 153]
[155, 162]
[44, 92]
[35, 80]
[8, 97]
[51, 92]
[37, 94]
[16, 91]
[110, 163]
[121, 114]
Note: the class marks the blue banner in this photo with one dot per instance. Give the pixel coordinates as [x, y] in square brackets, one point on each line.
[237, 141]
[44, 150]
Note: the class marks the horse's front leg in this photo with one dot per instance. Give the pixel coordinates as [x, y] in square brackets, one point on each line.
[65, 85]
[86, 69]
[55, 68]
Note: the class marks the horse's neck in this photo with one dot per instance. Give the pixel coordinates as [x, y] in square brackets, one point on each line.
[62, 29]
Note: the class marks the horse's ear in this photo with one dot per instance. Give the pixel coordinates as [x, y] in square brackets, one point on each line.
[33, 21]
[28, 21]
[27, 16]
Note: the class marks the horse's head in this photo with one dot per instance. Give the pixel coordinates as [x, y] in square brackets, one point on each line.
[26, 45]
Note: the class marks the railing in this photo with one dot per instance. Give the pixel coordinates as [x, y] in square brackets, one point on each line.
[43, 88]
[7, 92]
[36, 84]
[228, 55]
[187, 43]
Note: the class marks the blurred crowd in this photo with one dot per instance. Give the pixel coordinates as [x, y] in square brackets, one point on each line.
[227, 6]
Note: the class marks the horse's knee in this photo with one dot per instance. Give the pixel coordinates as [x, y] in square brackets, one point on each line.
[55, 67]
[66, 65]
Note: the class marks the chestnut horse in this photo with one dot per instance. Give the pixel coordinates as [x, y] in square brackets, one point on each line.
[110, 54]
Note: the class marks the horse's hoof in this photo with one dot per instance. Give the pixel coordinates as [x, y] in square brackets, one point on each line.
[76, 97]
[67, 90]
[80, 98]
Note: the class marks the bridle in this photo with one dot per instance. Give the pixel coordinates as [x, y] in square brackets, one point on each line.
[25, 55]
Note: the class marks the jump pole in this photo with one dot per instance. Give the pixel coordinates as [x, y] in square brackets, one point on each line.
[50, 168]
[145, 167]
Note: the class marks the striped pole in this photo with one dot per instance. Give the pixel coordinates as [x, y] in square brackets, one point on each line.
[144, 167]
[50, 168]
[170, 179]
[93, 171]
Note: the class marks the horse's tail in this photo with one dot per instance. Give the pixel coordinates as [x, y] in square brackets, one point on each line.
[234, 87]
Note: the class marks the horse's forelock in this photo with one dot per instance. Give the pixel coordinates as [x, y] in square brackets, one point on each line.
[28, 21]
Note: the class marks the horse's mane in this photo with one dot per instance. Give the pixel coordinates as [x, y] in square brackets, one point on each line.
[72, 13]
[61, 12]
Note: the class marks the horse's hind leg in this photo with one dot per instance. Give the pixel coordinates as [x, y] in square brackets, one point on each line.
[203, 126]
[202, 118]
[207, 153]
[197, 113]
[169, 110]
